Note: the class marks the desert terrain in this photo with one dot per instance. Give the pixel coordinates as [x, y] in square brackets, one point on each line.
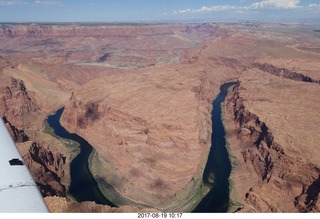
[142, 94]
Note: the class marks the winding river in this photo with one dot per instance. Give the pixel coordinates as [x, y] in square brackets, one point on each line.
[217, 171]
[84, 187]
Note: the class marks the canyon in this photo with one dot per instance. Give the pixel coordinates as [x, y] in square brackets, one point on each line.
[142, 95]
[278, 167]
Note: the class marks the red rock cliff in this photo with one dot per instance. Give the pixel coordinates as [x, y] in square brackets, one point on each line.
[276, 178]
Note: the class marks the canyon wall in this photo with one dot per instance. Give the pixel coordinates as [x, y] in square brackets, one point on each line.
[16, 134]
[19, 111]
[283, 72]
[16, 104]
[271, 141]
[47, 169]
[47, 164]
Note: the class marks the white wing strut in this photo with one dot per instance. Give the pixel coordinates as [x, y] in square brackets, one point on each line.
[18, 191]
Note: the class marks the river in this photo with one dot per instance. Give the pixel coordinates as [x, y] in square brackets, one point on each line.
[216, 174]
[217, 171]
[83, 186]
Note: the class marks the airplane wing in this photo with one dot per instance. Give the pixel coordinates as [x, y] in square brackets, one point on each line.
[18, 190]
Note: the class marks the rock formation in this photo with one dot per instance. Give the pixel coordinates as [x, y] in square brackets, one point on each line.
[47, 168]
[18, 109]
[280, 174]
[16, 104]
[283, 72]
[16, 134]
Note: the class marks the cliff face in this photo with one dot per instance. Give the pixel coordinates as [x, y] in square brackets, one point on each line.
[16, 134]
[47, 168]
[283, 72]
[47, 165]
[277, 176]
[16, 104]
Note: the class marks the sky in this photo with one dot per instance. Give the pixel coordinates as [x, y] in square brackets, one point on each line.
[157, 10]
